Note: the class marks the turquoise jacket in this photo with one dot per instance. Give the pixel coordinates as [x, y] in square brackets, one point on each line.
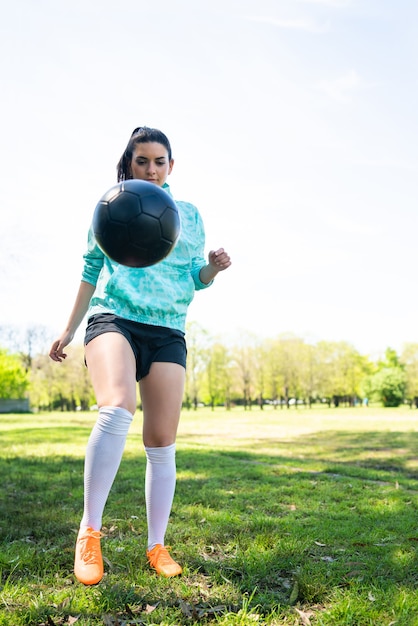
[158, 295]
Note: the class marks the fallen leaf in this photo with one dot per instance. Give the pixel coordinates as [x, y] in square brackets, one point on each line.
[321, 545]
[186, 609]
[200, 612]
[304, 617]
[354, 573]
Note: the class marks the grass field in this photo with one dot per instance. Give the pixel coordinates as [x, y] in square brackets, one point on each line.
[296, 517]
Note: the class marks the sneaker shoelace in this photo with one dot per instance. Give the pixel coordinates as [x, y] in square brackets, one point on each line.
[161, 556]
[90, 550]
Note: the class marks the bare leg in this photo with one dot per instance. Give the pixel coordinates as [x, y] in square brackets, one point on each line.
[162, 396]
[111, 364]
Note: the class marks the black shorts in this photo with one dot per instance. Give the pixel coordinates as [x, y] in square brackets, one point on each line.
[149, 343]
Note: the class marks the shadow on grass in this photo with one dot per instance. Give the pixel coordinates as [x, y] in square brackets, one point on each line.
[374, 452]
[319, 513]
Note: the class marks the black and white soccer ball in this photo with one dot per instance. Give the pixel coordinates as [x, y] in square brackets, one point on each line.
[136, 223]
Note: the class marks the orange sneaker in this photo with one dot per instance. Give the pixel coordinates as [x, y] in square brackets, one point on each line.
[162, 562]
[88, 564]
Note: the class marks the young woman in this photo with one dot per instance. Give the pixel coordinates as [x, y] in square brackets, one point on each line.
[135, 332]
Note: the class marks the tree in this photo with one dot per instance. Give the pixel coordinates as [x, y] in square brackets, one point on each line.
[28, 342]
[217, 375]
[290, 352]
[391, 359]
[197, 341]
[341, 372]
[244, 360]
[14, 380]
[274, 380]
[388, 386]
[64, 386]
[409, 361]
[309, 374]
[261, 368]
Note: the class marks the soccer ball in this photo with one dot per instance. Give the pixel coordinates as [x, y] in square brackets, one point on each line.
[136, 223]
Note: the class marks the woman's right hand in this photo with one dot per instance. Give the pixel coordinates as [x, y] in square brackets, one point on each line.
[80, 308]
[56, 352]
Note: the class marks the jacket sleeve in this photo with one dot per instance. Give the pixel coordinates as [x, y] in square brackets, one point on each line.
[93, 260]
[198, 260]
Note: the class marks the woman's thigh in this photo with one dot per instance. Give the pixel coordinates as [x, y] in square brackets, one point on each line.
[112, 368]
[162, 396]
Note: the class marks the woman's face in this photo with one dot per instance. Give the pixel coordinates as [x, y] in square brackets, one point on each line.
[150, 162]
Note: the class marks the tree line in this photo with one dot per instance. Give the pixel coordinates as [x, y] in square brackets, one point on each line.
[284, 371]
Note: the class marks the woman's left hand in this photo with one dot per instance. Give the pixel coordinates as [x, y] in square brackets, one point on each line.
[219, 259]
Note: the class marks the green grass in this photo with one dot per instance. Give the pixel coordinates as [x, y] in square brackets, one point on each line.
[280, 517]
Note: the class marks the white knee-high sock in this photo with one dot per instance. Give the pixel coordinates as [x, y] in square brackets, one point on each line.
[160, 485]
[103, 456]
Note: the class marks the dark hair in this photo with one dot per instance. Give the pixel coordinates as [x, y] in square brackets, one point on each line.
[142, 134]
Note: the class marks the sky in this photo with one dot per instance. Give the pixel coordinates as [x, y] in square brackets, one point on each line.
[294, 131]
